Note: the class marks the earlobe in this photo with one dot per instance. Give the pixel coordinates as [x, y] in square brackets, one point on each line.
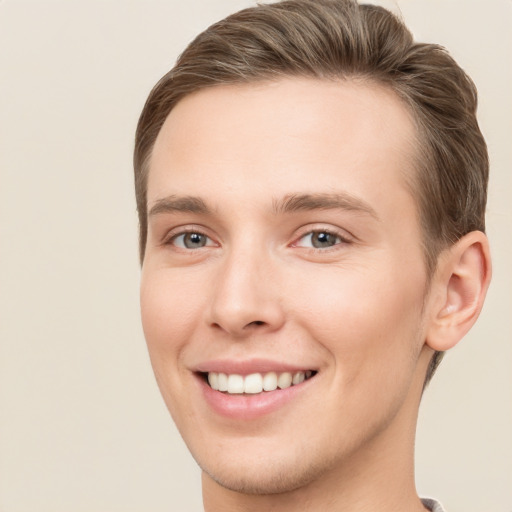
[460, 286]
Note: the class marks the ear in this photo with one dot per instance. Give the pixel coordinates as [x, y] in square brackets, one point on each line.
[458, 290]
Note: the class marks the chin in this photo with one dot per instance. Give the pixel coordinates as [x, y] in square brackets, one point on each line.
[276, 482]
[265, 477]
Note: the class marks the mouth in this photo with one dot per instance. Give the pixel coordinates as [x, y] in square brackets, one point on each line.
[255, 383]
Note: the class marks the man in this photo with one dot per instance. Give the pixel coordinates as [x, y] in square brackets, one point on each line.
[311, 186]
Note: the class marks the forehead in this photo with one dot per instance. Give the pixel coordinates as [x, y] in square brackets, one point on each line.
[270, 137]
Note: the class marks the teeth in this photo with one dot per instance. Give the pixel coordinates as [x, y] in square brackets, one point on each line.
[284, 380]
[255, 382]
[235, 384]
[270, 381]
[213, 380]
[222, 382]
[298, 378]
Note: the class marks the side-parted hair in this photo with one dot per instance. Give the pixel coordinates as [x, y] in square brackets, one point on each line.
[337, 40]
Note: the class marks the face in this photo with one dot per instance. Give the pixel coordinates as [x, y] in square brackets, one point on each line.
[283, 284]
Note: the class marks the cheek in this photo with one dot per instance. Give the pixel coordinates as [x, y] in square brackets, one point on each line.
[168, 319]
[364, 318]
[168, 313]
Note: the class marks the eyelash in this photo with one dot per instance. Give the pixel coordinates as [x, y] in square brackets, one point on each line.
[172, 237]
[341, 240]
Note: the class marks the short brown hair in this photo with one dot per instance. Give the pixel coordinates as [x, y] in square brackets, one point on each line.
[340, 39]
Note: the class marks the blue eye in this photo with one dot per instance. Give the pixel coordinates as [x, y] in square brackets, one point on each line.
[192, 240]
[319, 240]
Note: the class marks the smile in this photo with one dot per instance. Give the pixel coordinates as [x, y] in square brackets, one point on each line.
[255, 383]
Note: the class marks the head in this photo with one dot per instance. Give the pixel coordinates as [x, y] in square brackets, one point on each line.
[340, 40]
[401, 115]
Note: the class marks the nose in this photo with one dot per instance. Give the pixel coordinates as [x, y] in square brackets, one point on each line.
[246, 298]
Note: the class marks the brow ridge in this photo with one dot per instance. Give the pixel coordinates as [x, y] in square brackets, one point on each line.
[288, 204]
[322, 201]
[175, 203]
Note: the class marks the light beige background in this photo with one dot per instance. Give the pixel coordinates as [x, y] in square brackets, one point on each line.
[82, 426]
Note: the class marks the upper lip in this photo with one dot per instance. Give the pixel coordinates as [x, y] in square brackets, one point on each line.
[249, 366]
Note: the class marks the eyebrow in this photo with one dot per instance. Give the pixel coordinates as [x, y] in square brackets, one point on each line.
[288, 204]
[174, 203]
[304, 202]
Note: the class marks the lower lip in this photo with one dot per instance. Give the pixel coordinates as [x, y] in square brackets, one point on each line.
[250, 407]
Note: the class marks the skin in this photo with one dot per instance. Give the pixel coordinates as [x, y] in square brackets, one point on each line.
[358, 310]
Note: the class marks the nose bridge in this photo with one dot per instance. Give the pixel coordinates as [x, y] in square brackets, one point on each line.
[246, 297]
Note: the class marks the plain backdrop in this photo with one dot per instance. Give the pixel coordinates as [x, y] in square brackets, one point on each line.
[82, 424]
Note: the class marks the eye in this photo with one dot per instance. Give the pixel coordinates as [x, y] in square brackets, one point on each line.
[191, 240]
[320, 239]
